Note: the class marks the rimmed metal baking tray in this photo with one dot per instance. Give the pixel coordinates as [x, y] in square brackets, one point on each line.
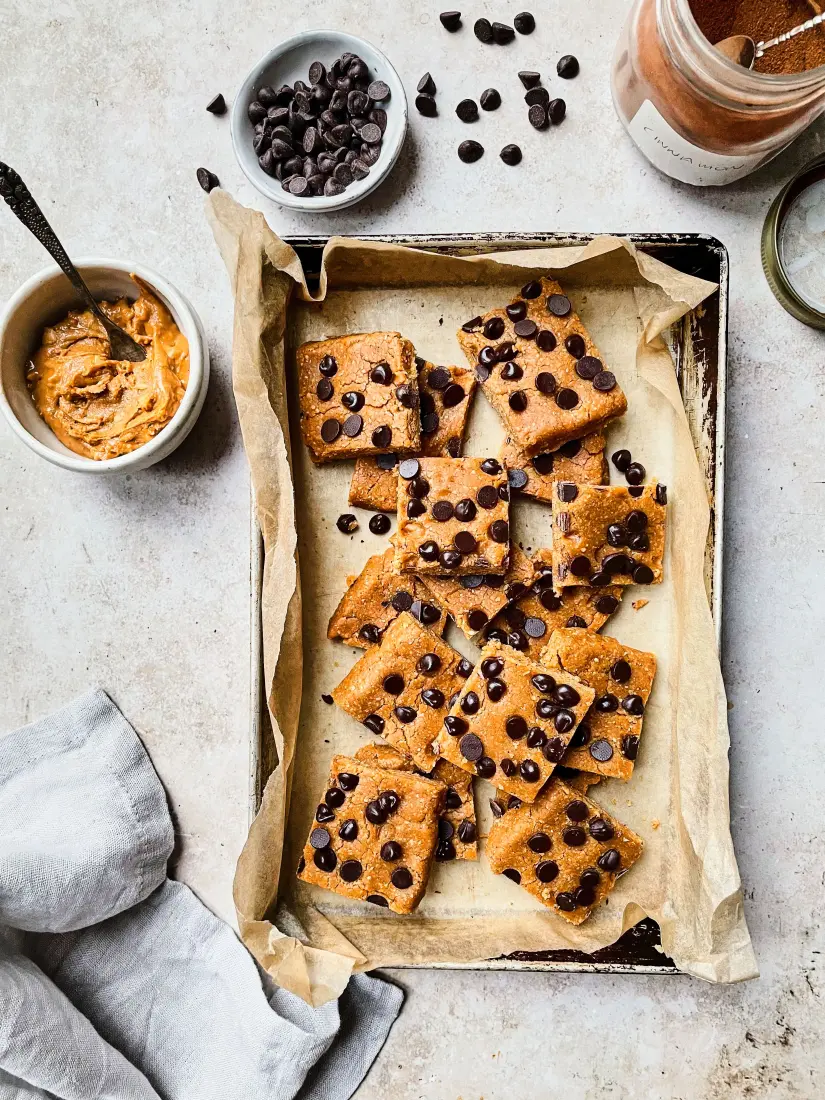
[698, 344]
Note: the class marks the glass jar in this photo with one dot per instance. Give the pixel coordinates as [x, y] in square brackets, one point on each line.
[696, 115]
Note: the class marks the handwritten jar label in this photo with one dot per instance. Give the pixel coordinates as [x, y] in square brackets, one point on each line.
[677, 157]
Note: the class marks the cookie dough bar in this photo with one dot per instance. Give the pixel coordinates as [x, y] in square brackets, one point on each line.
[541, 370]
[376, 597]
[374, 835]
[581, 460]
[445, 395]
[453, 516]
[527, 624]
[457, 829]
[607, 741]
[473, 600]
[402, 688]
[564, 849]
[608, 534]
[359, 396]
[513, 721]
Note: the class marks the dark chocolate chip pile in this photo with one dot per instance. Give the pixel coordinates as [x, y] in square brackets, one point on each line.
[318, 138]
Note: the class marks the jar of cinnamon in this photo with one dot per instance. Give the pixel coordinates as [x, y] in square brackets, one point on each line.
[698, 116]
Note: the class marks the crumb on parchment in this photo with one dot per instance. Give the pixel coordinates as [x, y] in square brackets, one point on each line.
[639, 604]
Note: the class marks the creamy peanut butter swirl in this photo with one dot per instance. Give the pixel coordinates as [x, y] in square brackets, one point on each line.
[101, 407]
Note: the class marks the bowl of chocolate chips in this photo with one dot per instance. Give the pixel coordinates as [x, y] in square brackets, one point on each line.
[320, 121]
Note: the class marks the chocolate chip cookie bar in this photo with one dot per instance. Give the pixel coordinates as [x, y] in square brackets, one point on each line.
[402, 688]
[376, 597]
[527, 624]
[541, 370]
[581, 460]
[474, 599]
[608, 534]
[513, 721]
[359, 396]
[445, 394]
[457, 830]
[453, 516]
[375, 835]
[563, 849]
[607, 741]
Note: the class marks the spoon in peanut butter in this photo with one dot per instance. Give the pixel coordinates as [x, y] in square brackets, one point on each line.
[20, 200]
[742, 50]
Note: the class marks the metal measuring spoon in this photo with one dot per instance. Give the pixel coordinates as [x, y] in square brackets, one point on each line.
[742, 50]
[19, 199]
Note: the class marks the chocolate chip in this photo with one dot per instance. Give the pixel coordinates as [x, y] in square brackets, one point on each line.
[487, 497]
[574, 836]
[347, 523]
[445, 851]
[511, 372]
[381, 374]
[350, 870]
[393, 684]
[630, 746]
[600, 829]
[470, 747]
[567, 491]
[635, 490]
[455, 726]
[330, 430]
[487, 357]
[529, 771]
[327, 699]
[426, 84]
[580, 566]
[408, 468]
[483, 30]
[325, 859]
[604, 381]
[401, 878]
[499, 531]
[208, 180]
[470, 151]
[353, 425]
[535, 628]
[335, 797]
[537, 115]
[537, 97]
[491, 667]
[661, 494]
[382, 437]
[610, 860]
[374, 723]
[348, 781]
[640, 543]
[556, 110]
[324, 813]
[426, 105]
[576, 621]
[567, 399]
[324, 389]
[512, 874]
[502, 34]
[616, 534]
[477, 619]
[418, 487]
[567, 67]
[467, 110]
[606, 605]
[515, 727]
[634, 473]
[407, 396]
[518, 401]
[546, 870]
[643, 574]
[391, 851]
[549, 600]
[633, 704]
[319, 838]
[380, 524]
[464, 668]
[453, 800]
[524, 23]
[467, 832]
[442, 511]
[486, 768]
[217, 106]
[496, 690]
[450, 20]
[528, 78]
[494, 328]
[376, 899]
[370, 633]
[576, 810]
[349, 829]
[526, 329]
[559, 305]
[425, 613]
[576, 347]
[470, 703]
[497, 808]
[601, 750]
[554, 750]
[490, 100]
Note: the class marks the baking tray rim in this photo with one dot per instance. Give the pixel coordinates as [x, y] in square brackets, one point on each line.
[510, 241]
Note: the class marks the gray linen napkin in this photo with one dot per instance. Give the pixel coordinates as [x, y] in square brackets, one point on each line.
[117, 983]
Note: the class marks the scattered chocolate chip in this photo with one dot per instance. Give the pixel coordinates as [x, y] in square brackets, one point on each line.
[426, 105]
[606, 605]
[493, 328]
[380, 524]
[535, 628]
[568, 67]
[327, 699]
[470, 151]
[490, 99]
[537, 116]
[454, 725]
[524, 23]
[369, 633]
[556, 110]
[467, 110]
[529, 79]
[470, 747]
[633, 704]
[328, 366]
[634, 473]
[537, 97]
[450, 20]
[427, 84]
[208, 180]
[471, 325]
[381, 374]
[502, 34]
[610, 860]
[217, 106]
[376, 899]
[661, 494]
[483, 30]
[511, 372]
[525, 329]
[511, 154]
[600, 829]
[442, 511]
[635, 490]
[347, 523]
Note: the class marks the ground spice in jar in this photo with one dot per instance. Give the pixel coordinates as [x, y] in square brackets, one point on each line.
[764, 19]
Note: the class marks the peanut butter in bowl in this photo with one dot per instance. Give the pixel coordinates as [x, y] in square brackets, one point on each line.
[101, 407]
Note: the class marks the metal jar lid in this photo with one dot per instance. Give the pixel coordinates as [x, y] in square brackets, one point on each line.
[793, 245]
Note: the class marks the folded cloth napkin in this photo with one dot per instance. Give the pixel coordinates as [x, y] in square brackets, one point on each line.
[117, 983]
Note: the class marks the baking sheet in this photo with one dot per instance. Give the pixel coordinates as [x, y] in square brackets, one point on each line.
[688, 878]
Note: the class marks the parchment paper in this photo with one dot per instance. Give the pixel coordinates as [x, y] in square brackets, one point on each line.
[309, 939]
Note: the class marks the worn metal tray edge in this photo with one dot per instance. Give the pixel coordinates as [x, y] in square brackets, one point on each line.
[482, 242]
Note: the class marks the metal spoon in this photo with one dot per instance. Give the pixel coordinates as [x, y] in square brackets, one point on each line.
[742, 50]
[19, 198]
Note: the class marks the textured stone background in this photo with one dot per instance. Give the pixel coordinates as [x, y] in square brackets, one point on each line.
[142, 584]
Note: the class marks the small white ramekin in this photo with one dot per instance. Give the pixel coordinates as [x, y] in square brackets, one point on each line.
[46, 298]
[289, 62]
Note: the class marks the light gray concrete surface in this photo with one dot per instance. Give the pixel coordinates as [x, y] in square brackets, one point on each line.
[141, 584]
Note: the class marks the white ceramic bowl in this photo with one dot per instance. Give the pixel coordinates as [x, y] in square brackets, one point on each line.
[289, 62]
[47, 297]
